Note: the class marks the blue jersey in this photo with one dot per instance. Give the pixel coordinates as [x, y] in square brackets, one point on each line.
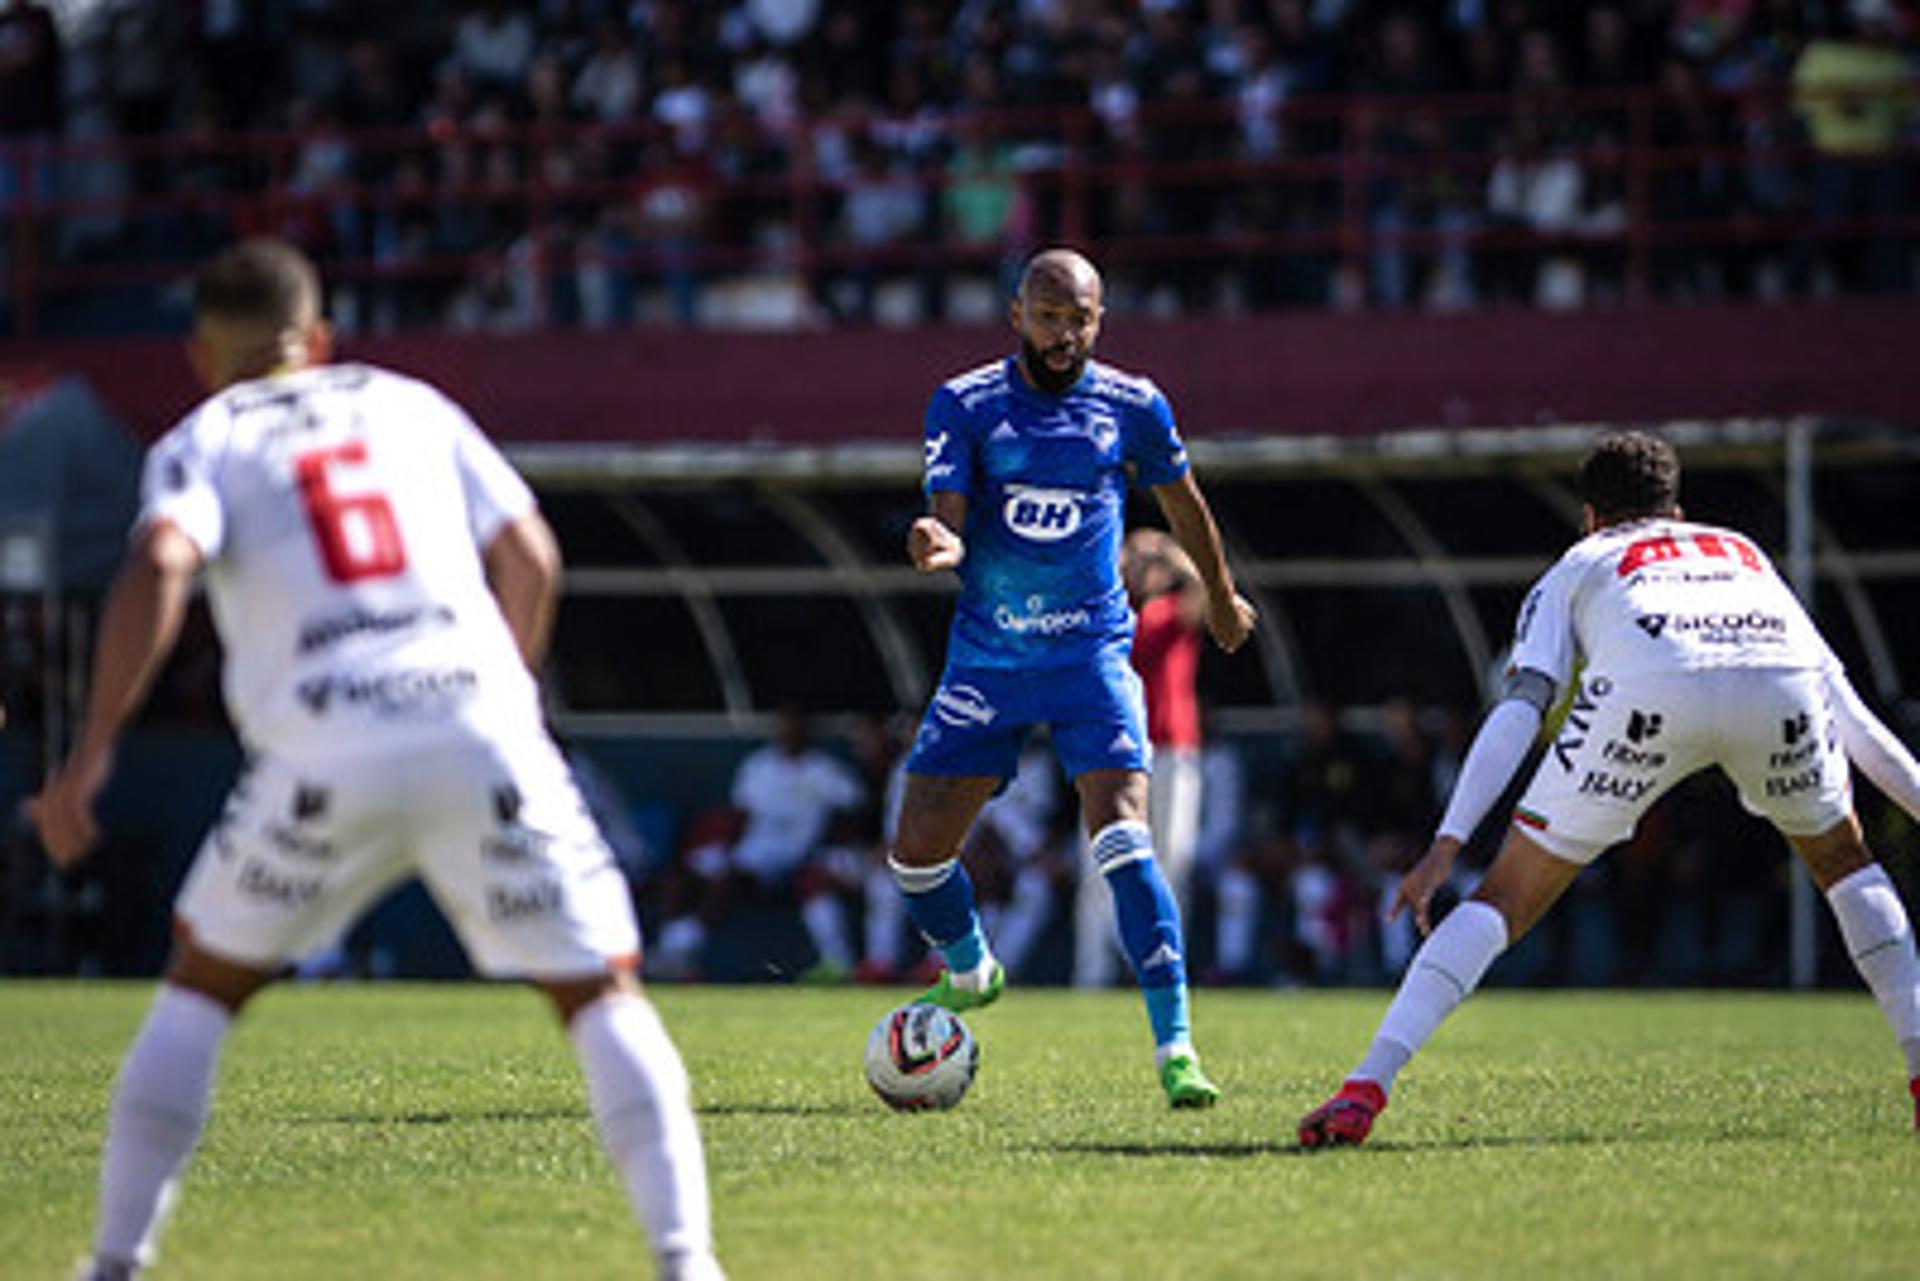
[1045, 478]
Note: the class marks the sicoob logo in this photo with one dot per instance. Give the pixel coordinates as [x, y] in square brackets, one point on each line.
[1042, 515]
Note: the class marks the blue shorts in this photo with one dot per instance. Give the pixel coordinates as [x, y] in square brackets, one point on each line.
[979, 718]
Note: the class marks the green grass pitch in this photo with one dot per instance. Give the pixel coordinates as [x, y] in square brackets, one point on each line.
[429, 1131]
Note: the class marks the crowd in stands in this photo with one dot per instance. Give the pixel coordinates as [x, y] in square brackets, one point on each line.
[509, 163]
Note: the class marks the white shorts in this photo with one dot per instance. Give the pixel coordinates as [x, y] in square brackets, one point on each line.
[497, 832]
[1626, 741]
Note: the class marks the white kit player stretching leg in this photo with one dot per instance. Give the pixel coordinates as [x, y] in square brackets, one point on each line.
[1695, 653]
[383, 585]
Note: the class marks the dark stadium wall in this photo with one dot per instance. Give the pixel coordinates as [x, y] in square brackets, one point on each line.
[1268, 375]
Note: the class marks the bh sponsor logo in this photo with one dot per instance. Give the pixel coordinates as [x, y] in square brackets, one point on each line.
[962, 705]
[1042, 515]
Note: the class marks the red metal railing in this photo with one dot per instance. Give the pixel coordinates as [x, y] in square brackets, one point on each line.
[1117, 187]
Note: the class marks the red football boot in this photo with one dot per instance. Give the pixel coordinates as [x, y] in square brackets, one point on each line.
[1346, 1118]
[1913, 1088]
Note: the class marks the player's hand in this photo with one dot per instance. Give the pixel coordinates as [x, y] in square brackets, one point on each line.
[1231, 621]
[63, 811]
[1422, 879]
[933, 545]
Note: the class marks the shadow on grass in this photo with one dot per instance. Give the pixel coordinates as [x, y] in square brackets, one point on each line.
[1466, 1143]
[783, 1109]
[496, 1115]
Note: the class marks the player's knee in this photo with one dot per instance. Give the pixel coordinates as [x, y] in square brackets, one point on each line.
[569, 996]
[1833, 855]
[227, 983]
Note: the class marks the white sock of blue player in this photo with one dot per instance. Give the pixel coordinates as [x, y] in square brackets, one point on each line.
[643, 1107]
[159, 1107]
[941, 905]
[1149, 922]
[1880, 940]
[1446, 969]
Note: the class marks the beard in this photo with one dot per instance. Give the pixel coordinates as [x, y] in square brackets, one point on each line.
[1055, 382]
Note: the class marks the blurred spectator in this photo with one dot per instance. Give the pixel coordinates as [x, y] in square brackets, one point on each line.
[31, 106]
[880, 211]
[1856, 92]
[1170, 602]
[1015, 861]
[608, 87]
[31, 82]
[788, 796]
[494, 44]
[1322, 789]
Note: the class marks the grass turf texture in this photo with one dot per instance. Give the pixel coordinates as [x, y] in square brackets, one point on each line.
[404, 1131]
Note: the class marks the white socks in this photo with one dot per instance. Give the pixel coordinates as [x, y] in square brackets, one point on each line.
[1448, 966]
[644, 1109]
[1880, 940]
[158, 1109]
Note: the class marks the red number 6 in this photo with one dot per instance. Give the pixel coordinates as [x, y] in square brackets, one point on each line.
[358, 535]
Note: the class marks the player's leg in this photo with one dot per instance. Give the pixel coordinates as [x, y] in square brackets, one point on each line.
[160, 1102]
[1113, 804]
[290, 864]
[1874, 924]
[1785, 757]
[935, 813]
[643, 1107]
[967, 746]
[507, 849]
[1524, 881]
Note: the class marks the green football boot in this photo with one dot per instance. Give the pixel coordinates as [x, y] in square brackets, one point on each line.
[1186, 1085]
[958, 999]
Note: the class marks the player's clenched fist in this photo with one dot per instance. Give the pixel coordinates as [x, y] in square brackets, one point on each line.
[63, 812]
[1231, 621]
[933, 545]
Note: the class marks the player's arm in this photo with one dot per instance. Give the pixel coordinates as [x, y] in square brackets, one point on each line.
[1869, 744]
[1497, 752]
[139, 628]
[523, 572]
[934, 542]
[1229, 615]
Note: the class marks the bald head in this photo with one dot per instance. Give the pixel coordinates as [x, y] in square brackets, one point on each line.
[1057, 315]
[1061, 272]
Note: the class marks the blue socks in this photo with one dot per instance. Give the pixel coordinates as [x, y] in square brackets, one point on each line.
[940, 903]
[1149, 921]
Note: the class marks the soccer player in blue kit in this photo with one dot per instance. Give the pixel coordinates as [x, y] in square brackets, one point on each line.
[1027, 466]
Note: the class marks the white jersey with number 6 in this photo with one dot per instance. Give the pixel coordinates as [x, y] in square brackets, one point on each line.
[341, 511]
[1659, 596]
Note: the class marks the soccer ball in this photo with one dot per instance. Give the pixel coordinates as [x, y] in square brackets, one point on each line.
[921, 1058]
